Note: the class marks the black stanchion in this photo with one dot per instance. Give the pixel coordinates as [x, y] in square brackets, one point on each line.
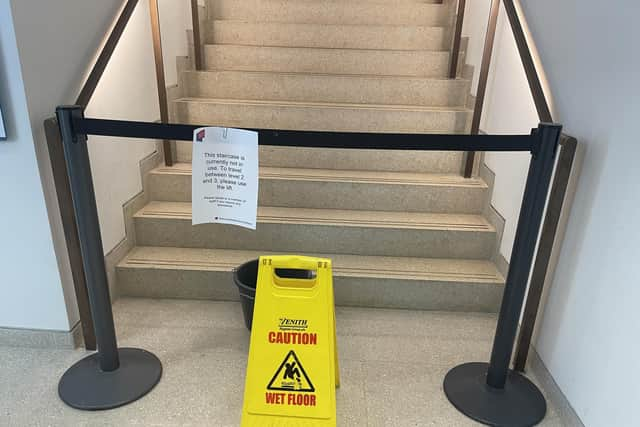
[491, 393]
[111, 377]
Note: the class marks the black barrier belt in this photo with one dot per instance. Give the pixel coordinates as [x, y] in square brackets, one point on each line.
[289, 138]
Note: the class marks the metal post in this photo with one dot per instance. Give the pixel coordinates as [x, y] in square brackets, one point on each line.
[532, 210]
[112, 377]
[491, 393]
[545, 247]
[84, 202]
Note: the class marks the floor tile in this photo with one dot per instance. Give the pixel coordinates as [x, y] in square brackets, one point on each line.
[392, 363]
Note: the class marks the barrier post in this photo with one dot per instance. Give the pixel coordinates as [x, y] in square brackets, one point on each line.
[111, 377]
[489, 392]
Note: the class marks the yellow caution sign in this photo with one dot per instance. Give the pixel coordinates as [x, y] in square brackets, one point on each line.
[292, 372]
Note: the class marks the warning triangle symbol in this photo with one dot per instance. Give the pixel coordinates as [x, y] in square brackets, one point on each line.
[291, 376]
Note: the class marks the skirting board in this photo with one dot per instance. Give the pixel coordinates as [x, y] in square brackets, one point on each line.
[566, 414]
[39, 338]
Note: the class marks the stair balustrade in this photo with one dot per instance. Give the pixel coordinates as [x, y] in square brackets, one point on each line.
[521, 263]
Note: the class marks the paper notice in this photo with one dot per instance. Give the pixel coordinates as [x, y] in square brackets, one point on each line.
[224, 182]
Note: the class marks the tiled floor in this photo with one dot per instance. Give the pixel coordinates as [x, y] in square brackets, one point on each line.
[392, 366]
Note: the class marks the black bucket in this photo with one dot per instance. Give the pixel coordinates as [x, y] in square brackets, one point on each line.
[246, 276]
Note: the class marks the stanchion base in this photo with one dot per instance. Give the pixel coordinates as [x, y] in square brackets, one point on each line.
[85, 386]
[519, 404]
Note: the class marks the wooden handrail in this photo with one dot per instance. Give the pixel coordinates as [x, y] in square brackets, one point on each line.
[90, 84]
[539, 98]
[197, 45]
[163, 102]
[457, 38]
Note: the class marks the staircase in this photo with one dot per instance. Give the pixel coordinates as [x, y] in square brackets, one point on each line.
[404, 229]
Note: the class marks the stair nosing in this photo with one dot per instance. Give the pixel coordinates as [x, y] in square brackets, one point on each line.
[459, 80]
[306, 104]
[379, 177]
[320, 47]
[212, 22]
[303, 216]
[422, 51]
[133, 260]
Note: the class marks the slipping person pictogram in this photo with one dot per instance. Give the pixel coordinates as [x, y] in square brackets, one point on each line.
[290, 375]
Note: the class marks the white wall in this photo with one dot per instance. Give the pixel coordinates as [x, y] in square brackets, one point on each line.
[508, 109]
[476, 16]
[127, 91]
[589, 337]
[30, 290]
[175, 19]
[57, 43]
[38, 292]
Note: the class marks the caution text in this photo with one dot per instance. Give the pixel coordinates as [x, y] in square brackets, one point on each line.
[293, 338]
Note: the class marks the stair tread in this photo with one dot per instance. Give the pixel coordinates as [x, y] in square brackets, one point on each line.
[332, 12]
[432, 269]
[405, 79]
[345, 49]
[359, 176]
[345, 218]
[329, 59]
[316, 104]
[381, 27]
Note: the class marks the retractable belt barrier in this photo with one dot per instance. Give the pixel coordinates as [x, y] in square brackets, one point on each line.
[278, 389]
[292, 372]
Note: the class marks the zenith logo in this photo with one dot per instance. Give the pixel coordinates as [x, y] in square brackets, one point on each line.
[293, 322]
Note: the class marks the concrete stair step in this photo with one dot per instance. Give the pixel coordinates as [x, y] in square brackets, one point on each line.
[416, 63]
[341, 189]
[322, 116]
[333, 12]
[439, 162]
[370, 1]
[389, 282]
[333, 36]
[296, 230]
[265, 86]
